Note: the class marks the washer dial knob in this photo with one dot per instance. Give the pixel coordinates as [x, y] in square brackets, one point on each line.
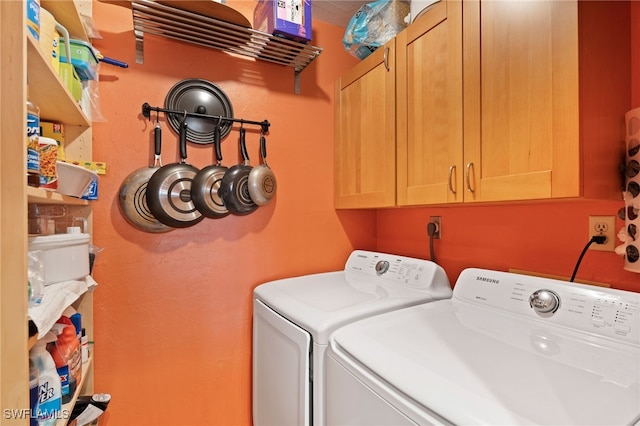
[381, 267]
[544, 301]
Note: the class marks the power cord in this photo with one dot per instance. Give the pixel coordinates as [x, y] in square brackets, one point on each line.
[432, 229]
[598, 239]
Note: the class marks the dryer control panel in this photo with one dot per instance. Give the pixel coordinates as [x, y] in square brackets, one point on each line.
[400, 270]
[603, 311]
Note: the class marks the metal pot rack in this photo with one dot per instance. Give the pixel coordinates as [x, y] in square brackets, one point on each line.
[146, 111]
[166, 21]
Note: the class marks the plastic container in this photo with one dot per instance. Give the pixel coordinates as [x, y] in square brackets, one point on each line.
[83, 58]
[43, 218]
[33, 137]
[71, 80]
[48, 153]
[65, 256]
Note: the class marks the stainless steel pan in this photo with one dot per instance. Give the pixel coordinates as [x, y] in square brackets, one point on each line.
[262, 181]
[133, 193]
[169, 190]
[206, 184]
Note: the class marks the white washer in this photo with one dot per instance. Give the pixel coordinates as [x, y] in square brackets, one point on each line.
[293, 318]
[506, 349]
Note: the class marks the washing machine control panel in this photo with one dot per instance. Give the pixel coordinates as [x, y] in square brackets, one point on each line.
[599, 310]
[393, 271]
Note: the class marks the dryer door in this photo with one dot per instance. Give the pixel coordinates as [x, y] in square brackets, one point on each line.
[281, 383]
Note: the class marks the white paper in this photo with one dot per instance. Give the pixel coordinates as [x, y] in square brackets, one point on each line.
[56, 299]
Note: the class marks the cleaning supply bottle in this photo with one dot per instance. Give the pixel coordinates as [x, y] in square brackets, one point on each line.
[49, 403]
[67, 356]
[33, 393]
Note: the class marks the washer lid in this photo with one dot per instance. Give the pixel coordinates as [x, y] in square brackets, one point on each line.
[471, 365]
[320, 303]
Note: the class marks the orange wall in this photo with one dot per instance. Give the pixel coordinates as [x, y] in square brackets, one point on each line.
[173, 311]
[542, 237]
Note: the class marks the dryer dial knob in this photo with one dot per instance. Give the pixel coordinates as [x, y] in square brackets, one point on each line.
[381, 267]
[544, 301]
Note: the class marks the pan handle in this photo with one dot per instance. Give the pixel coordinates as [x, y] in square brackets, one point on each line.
[263, 149]
[157, 144]
[183, 142]
[216, 141]
[243, 146]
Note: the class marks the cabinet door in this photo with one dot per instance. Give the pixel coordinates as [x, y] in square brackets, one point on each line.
[429, 110]
[365, 133]
[521, 99]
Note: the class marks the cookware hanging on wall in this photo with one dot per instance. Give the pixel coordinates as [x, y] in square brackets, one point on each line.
[206, 184]
[169, 190]
[202, 97]
[234, 188]
[133, 193]
[262, 180]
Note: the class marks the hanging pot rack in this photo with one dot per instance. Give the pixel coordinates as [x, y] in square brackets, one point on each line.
[146, 111]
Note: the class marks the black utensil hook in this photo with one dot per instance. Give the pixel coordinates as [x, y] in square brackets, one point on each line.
[146, 112]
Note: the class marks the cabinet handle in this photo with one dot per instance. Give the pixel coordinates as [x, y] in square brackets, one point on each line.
[451, 170]
[468, 177]
[385, 58]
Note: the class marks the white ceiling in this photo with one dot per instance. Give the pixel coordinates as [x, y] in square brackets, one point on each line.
[336, 12]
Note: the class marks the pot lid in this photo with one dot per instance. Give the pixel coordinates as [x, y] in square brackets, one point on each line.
[203, 97]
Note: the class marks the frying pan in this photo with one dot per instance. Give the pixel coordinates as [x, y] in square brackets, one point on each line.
[262, 181]
[133, 193]
[205, 185]
[234, 188]
[169, 190]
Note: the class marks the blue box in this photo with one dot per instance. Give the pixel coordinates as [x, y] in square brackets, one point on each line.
[91, 193]
[290, 19]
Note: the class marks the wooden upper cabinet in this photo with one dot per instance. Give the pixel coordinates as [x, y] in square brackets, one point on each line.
[546, 86]
[497, 100]
[429, 107]
[365, 140]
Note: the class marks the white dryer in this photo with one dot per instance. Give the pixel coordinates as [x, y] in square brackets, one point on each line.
[506, 349]
[293, 318]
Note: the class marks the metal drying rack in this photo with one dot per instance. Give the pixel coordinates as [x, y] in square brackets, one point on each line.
[146, 111]
[163, 20]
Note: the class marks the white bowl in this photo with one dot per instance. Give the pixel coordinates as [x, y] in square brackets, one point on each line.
[73, 180]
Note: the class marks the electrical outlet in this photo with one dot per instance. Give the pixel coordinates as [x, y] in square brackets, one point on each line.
[603, 225]
[437, 220]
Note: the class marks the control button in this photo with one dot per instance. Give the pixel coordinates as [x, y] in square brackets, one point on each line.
[621, 327]
[544, 301]
[381, 267]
